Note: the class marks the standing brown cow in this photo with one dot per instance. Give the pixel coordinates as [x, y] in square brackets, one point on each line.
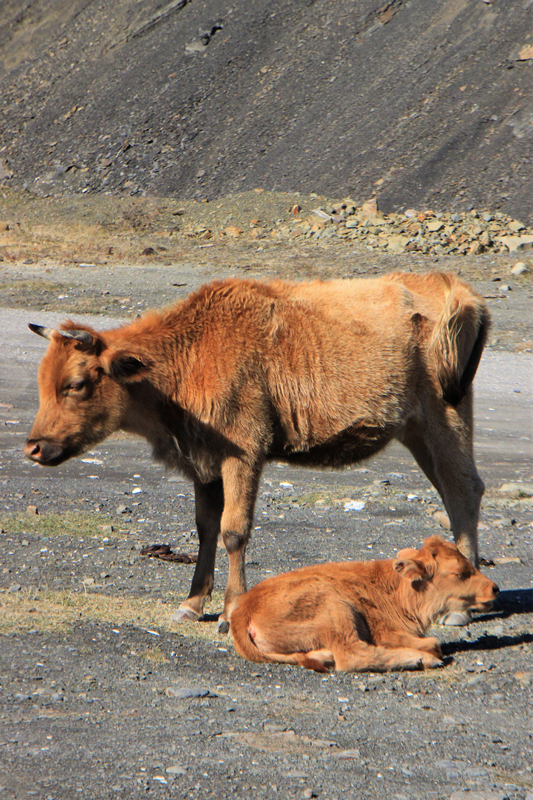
[242, 372]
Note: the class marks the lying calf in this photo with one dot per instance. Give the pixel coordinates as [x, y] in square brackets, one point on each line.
[357, 616]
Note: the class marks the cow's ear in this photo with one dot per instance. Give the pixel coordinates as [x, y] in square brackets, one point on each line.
[410, 568]
[126, 367]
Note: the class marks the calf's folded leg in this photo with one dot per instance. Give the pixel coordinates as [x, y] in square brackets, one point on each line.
[427, 644]
[371, 658]
[317, 660]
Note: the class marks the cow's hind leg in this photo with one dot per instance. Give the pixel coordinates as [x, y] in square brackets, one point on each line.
[240, 490]
[443, 447]
[209, 503]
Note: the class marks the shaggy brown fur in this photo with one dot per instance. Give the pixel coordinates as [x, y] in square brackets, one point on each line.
[241, 372]
[359, 616]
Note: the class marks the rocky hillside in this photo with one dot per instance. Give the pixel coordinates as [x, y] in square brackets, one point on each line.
[422, 104]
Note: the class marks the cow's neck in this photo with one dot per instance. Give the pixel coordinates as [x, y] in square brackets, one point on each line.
[178, 439]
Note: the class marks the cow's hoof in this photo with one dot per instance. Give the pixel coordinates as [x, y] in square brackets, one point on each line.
[185, 615]
[223, 626]
[456, 619]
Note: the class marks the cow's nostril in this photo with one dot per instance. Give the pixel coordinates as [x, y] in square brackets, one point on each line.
[32, 449]
[495, 590]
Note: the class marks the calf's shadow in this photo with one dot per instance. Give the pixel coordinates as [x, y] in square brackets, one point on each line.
[509, 603]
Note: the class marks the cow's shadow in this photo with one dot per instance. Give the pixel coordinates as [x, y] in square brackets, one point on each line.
[509, 603]
[210, 617]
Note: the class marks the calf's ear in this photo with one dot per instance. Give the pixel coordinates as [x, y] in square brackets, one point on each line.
[410, 569]
[125, 367]
[408, 552]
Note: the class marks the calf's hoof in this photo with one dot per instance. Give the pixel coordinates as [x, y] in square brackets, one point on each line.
[223, 626]
[184, 614]
[431, 662]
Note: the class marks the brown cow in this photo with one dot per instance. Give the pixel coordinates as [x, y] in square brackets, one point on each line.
[359, 616]
[242, 372]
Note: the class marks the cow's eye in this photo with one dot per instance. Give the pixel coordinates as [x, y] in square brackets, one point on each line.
[76, 386]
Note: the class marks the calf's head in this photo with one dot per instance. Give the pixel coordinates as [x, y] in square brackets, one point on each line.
[83, 394]
[455, 584]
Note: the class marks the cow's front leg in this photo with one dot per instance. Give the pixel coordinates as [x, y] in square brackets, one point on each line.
[240, 490]
[209, 501]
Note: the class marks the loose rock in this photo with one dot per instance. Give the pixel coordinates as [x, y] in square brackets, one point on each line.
[182, 694]
[443, 520]
[176, 770]
[519, 268]
[517, 244]
[526, 53]
[233, 231]
[106, 529]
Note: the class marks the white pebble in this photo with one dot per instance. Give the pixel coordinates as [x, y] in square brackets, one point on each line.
[354, 505]
[519, 268]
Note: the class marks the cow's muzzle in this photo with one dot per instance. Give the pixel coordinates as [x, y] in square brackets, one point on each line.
[49, 454]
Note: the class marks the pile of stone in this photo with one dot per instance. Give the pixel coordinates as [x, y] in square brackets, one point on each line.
[425, 231]
[412, 231]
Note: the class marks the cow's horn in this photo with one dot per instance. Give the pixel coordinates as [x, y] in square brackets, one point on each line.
[40, 330]
[81, 336]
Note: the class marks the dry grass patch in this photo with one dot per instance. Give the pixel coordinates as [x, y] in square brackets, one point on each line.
[155, 655]
[47, 611]
[71, 523]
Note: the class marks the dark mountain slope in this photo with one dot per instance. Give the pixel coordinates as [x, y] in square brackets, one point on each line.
[418, 102]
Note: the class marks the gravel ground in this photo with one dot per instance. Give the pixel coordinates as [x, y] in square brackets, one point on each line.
[103, 697]
[100, 695]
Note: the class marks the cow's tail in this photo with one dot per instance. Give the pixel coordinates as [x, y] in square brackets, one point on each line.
[458, 339]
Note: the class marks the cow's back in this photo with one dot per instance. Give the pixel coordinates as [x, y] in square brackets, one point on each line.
[341, 355]
[339, 366]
